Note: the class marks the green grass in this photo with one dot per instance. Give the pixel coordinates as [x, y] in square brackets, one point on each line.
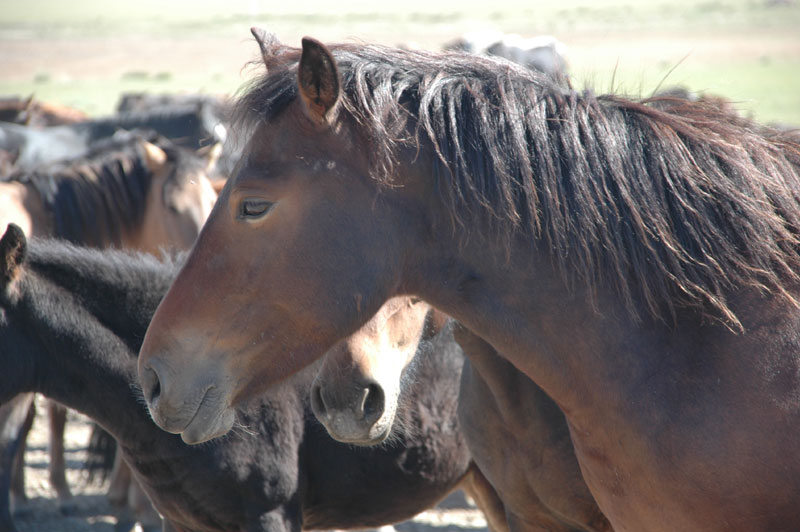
[741, 49]
[99, 97]
[765, 88]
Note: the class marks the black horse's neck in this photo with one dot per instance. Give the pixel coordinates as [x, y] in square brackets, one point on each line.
[120, 290]
[78, 345]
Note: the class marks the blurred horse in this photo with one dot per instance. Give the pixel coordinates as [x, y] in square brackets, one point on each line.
[191, 126]
[130, 191]
[543, 53]
[36, 113]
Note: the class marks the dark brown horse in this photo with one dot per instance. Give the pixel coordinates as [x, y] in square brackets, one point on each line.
[72, 321]
[639, 263]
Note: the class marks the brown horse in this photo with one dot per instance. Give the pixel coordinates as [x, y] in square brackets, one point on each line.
[522, 442]
[37, 113]
[132, 191]
[639, 263]
[135, 191]
[356, 390]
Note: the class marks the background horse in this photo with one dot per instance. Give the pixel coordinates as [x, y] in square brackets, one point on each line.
[638, 262]
[73, 319]
[357, 389]
[192, 125]
[37, 113]
[128, 192]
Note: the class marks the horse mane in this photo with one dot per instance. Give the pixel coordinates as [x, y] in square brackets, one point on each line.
[97, 199]
[673, 202]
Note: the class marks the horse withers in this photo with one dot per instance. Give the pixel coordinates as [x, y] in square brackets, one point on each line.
[638, 262]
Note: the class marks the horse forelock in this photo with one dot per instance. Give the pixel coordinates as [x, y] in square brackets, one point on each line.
[673, 202]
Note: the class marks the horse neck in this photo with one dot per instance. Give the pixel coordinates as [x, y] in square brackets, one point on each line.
[67, 355]
[76, 331]
[103, 208]
[518, 302]
[120, 290]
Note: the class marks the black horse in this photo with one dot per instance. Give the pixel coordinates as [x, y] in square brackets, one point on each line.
[192, 125]
[71, 321]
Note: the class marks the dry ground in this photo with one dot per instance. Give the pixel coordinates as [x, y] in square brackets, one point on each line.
[92, 513]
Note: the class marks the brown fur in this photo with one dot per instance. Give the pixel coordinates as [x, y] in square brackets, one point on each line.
[638, 264]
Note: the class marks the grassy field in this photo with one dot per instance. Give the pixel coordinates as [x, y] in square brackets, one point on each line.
[87, 53]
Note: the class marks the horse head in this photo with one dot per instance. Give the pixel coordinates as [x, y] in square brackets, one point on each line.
[356, 391]
[283, 206]
[179, 200]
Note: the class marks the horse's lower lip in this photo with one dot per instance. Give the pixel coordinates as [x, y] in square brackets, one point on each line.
[210, 420]
[368, 441]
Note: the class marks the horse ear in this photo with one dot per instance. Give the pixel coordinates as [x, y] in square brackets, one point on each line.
[13, 247]
[155, 157]
[318, 80]
[211, 155]
[267, 42]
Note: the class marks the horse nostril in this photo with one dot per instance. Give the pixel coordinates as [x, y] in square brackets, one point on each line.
[318, 403]
[151, 385]
[373, 404]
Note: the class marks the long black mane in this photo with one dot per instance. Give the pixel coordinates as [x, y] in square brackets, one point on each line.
[97, 199]
[673, 202]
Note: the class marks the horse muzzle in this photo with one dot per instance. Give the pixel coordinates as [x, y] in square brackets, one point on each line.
[197, 410]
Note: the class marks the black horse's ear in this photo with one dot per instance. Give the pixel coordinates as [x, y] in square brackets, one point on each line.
[13, 246]
[318, 79]
[267, 42]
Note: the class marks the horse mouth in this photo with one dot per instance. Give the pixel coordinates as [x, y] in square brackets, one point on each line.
[374, 436]
[213, 418]
[369, 442]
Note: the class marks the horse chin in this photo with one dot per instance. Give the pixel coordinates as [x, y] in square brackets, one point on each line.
[208, 424]
[374, 439]
[377, 434]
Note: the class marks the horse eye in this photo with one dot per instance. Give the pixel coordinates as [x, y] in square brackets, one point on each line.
[254, 208]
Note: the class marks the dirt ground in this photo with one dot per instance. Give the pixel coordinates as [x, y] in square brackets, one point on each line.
[91, 511]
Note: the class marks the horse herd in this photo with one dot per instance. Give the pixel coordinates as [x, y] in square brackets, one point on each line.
[425, 271]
